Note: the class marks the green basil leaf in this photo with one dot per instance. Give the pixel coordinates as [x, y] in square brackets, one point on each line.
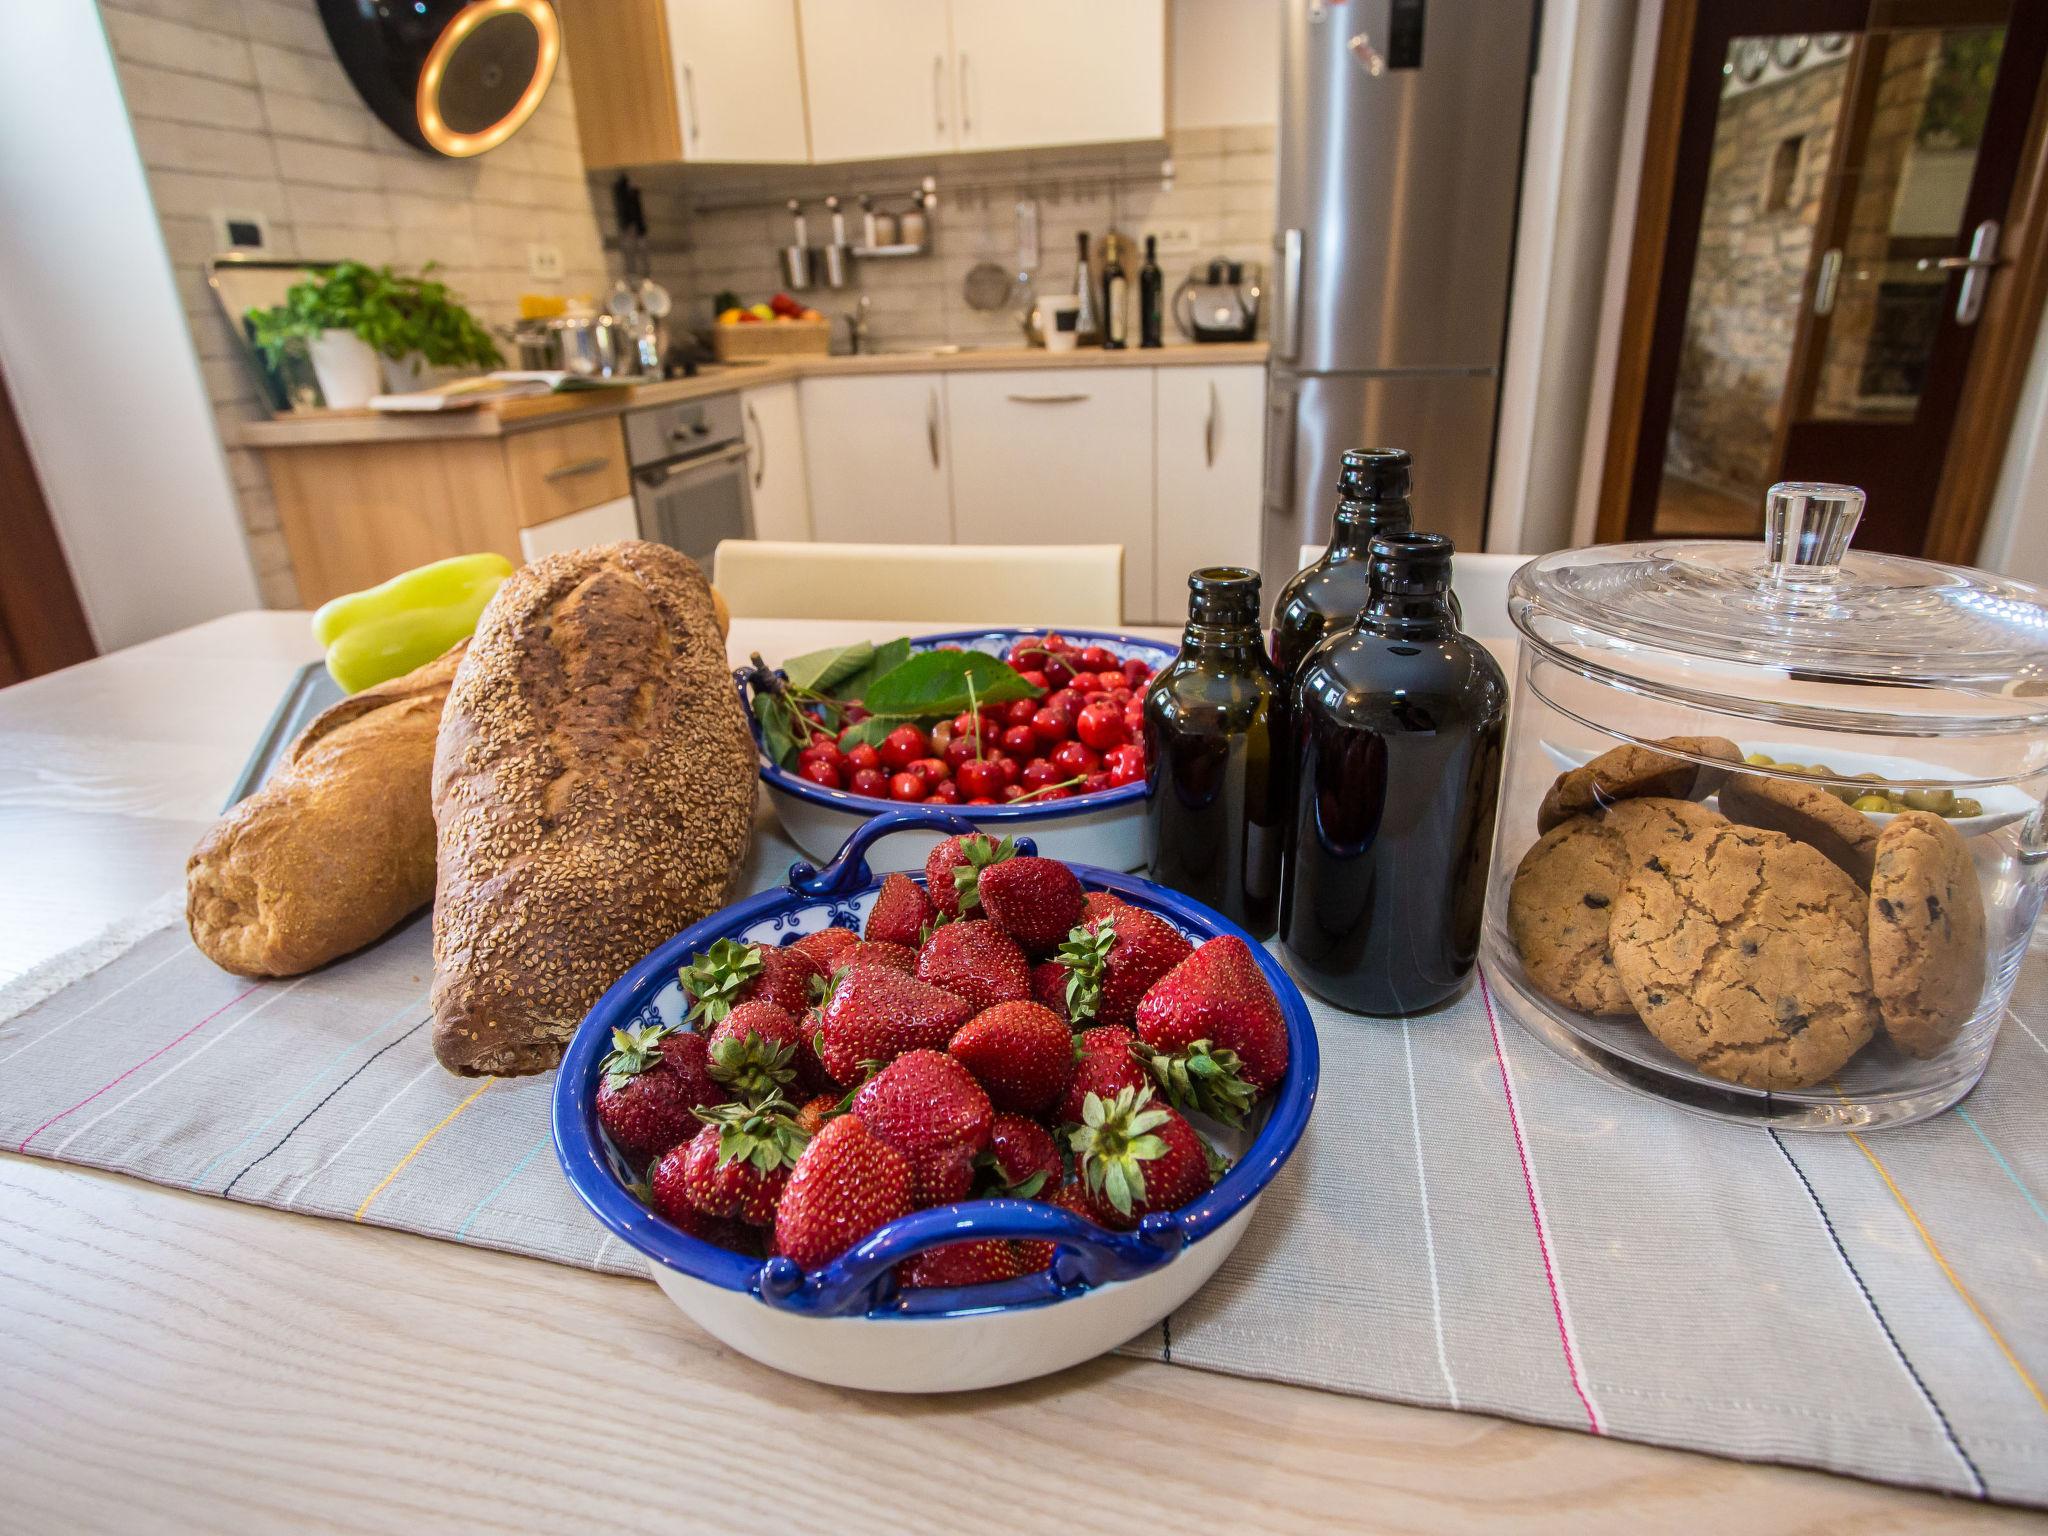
[825, 670]
[935, 683]
[887, 657]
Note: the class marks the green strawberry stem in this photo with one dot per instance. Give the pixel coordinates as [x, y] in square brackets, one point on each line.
[762, 1134]
[1085, 955]
[755, 1068]
[1203, 1076]
[633, 1051]
[715, 978]
[1113, 1143]
[980, 852]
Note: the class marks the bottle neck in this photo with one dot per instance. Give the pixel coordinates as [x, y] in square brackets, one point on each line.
[1358, 523]
[1229, 639]
[1408, 614]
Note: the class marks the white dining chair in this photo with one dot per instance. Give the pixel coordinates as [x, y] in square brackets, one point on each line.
[1481, 582]
[1040, 584]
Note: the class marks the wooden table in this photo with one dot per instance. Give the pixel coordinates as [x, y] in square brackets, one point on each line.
[169, 1362]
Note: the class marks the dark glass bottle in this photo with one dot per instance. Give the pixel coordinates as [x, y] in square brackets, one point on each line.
[1151, 297]
[1215, 753]
[1372, 498]
[1398, 723]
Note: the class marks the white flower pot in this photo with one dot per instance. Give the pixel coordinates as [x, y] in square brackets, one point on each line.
[347, 367]
[402, 375]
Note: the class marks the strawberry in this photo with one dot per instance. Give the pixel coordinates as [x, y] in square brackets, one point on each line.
[900, 912]
[929, 1107]
[812, 1114]
[1099, 904]
[735, 1168]
[1114, 959]
[826, 946]
[1023, 1159]
[1035, 901]
[901, 957]
[731, 973]
[1104, 1066]
[952, 871]
[1212, 1032]
[645, 1100]
[975, 960]
[1020, 1052]
[1049, 986]
[1135, 1155]
[876, 1014]
[1070, 1196]
[758, 1051]
[847, 1182]
[975, 1263]
[666, 1194]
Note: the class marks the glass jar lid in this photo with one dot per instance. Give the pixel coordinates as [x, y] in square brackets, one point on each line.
[1796, 627]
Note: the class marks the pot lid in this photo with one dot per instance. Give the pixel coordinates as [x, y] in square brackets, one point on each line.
[1796, 623]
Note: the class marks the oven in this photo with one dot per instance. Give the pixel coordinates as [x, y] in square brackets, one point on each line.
[690, 485]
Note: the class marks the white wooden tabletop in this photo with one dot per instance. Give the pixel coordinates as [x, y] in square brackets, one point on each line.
[171, 1362]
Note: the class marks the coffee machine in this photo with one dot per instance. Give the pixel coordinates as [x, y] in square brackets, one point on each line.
[1219, 302]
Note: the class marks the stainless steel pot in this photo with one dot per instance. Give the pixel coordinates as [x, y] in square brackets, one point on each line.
[589, 346]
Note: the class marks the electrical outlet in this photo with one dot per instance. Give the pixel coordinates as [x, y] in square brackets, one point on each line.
[544, 262]
[1174, 237]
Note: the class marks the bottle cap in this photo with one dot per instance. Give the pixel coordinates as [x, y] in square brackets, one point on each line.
[1373, 474]
[1223, 594]
[1410, 564]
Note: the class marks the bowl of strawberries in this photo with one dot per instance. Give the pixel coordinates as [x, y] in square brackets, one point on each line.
[938, 1131]
[1018, 730]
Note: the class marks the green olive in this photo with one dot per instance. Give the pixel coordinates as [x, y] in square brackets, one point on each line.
[1940, 801]
[1965, 806]
[1872, 803]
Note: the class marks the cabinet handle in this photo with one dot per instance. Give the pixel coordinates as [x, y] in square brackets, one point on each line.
[760, 454]
[690, 102]
[1048, 399]
[575, 467]
[931, 425]
[939, 93]
[1209, 429]
[966, 111]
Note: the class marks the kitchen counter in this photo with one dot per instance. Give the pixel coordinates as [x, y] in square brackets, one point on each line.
[329, 428]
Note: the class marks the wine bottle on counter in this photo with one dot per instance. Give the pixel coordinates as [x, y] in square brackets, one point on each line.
[1087, 329]
[1372, 498]
[1116, 296]
[1398, 723]
[1215, 753]
[1151, 297]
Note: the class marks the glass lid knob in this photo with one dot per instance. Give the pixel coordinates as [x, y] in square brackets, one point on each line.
[1807, 528]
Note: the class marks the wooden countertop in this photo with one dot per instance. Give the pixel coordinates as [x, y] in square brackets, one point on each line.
[327, 428]
[256, 1370]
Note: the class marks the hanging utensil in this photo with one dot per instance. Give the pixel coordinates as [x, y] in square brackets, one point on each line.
[838, 258]
[796, 259]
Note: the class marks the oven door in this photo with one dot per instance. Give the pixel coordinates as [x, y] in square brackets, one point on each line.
[691, 504]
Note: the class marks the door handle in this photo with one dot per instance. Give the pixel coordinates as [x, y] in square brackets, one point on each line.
[1048, 399]
[1289, 340]
[1827, 280]
[966, 111]
[1976, 269]
[1209, 430]
[939, 93]
[690, 103]
[576, 467]
[931, 424]
[760, 454]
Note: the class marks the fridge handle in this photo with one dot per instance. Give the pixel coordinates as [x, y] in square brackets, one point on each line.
[1281, 418]
[1287, 341]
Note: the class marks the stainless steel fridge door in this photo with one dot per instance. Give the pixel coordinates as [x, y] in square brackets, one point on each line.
[1396, 195]
[1444, 419]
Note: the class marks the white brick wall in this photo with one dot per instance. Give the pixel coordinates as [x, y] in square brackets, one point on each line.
[240, 104]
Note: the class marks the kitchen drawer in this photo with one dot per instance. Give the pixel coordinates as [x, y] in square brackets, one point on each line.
[606, 523]
[559, 470]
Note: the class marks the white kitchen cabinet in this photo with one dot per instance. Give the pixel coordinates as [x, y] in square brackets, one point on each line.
[876, 458]
[775, 461]
[605, 523]
[879, 77]
[1057, 456]
[1208, 462]
[739, 80]
[1059, 71]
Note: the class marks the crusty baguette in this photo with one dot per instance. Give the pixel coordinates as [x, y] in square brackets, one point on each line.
[593, 795]
[338, 847]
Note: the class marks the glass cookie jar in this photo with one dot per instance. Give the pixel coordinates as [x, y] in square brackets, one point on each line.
[1772, 835]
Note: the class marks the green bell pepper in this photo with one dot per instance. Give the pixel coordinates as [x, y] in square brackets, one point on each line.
[374, 636]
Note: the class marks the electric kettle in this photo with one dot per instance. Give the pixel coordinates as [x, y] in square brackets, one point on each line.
[1219, 302]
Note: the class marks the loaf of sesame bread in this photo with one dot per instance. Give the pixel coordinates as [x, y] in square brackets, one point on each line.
[338, 847]
[593, 795]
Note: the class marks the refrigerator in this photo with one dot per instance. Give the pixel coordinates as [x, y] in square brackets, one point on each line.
[1399, 169]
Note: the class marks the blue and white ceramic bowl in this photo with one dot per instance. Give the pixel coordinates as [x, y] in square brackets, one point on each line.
[848, 1323]
[1106, 829]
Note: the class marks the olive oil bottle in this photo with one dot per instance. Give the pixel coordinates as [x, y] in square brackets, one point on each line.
[1398, 723]
[1215, 749]
[1372, 498]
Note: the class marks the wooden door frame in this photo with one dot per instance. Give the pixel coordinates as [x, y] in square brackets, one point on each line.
[42, 622]
[2006, 331]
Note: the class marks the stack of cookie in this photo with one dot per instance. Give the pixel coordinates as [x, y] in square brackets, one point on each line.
[1764, 943]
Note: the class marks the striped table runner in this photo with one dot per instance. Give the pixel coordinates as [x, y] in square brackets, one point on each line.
[1470, 1223]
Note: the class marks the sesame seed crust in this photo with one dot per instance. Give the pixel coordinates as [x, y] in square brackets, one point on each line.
[594, 785]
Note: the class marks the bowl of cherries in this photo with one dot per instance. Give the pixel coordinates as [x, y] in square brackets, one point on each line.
[1018, 730]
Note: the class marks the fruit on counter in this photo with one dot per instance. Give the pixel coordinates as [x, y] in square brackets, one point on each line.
[1115, 959]
[1035, 901]
[847, 1182]
[928, 1106]
[758, 1051]
[900, 914]
[387, 630]
[876, 1014]
[1871, 792]
[973, 1263]
[778, 307]
[1022, 1052]
[975, 959]
[655, 1079]
[1023, 1160]
[1135, 1155]
[735, 1168]
[731, 973]
[1105, 1063]
[1212, 1033]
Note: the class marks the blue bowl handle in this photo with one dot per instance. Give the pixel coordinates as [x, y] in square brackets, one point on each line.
[848, 872]
[864, 1276]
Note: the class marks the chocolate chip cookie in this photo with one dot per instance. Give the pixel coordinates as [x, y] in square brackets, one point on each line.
[1807, 813]
[1631, 771]
[1558, 911]
[1654, 826]
[1926, 932]
[1747, 955]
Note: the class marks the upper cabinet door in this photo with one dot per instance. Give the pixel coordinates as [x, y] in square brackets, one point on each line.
[1059, 71]
[880, 77]
[739, 79]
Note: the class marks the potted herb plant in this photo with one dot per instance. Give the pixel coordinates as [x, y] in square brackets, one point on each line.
[351, 314]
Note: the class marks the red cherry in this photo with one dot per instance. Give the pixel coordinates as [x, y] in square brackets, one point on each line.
[864, 756]
[1054, 641]
[815, 753]
[855, 713]
[1126, 764]
[1052, 725]
[946, 792]
[981, 800]
[1068, 699]
[1120, 695]
[1038, 773]
[1020, 739]
[1009, 766]
[1054, 794]
[904, 746]
[907, 786]
[979, 780]
[1057, 673]
[959, 751]
[1098, 659]
[1012, 792]
[941, 734]
[1101, 726]
[1033, 676]
[1020, 711]
[1136, 672]
[869, 781]
[963, 724]
[820, 773]
[933, 770]
[1073, 759]
[1095, 784]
